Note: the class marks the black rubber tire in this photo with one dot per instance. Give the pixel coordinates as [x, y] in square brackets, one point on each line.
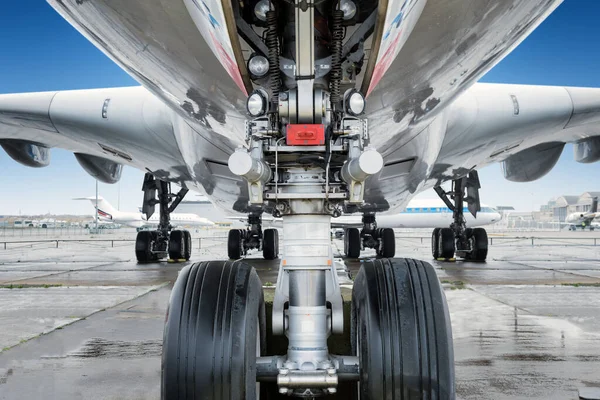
[234, 244]
[143, 246]
[435, 243]
[401, 331]
[447, 243]
[270, 244]
[479, 244]
[352, 243]
[188, 245]
[388, 241]
[177, 246]
[215, 313]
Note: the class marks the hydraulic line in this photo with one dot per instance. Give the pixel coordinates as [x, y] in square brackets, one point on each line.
[273, 46]
[335, 76]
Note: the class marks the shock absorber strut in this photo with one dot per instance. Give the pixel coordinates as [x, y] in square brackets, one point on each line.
[273, 46]
[336, 55]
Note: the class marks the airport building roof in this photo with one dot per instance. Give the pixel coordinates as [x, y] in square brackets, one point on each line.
[564, 201]
[587, 197]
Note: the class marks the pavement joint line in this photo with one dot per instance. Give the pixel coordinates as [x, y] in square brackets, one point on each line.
[54, 274]
[55, 262]
[575, 259]
[555, 270]
[60, 327]
[470, 287]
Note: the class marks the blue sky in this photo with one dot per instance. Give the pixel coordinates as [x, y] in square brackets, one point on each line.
[40, 51]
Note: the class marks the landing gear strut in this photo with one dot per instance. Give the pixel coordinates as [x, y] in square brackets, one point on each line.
[383, 240]
[240, 241]
[152, 246]
[468, 243]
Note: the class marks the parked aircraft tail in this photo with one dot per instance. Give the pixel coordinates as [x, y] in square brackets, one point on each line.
[105, 209]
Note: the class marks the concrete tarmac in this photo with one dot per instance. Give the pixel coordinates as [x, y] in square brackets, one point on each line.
[85, 321]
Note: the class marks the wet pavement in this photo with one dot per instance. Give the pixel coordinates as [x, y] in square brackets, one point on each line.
[84, 320]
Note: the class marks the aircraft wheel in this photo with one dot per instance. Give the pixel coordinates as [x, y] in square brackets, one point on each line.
[352, 243]
[270, 244]
[388, 243]
[214, 331]
[435, 243]
[234, 244]
[177, 245]
[143, 246]
[188, 245]
[401, 331]
[479, 244]
[446, 243]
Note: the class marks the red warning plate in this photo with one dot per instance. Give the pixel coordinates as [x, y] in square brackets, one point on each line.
[305, 135]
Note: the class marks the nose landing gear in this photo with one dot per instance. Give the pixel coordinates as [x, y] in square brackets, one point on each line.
[307, 156]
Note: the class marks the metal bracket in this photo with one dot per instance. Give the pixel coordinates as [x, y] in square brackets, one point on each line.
[334, 297]
[472, 185]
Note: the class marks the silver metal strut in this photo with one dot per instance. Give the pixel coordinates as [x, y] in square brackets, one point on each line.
[306, 185]
[305, 59]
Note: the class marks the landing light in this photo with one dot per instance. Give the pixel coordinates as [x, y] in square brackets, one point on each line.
[261, 8]
[258, 66]
[257, 103]
[348, 8]
[354, 102]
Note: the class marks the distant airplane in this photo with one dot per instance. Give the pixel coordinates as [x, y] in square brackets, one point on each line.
[426, 213]
[106, 212]
[584, 220]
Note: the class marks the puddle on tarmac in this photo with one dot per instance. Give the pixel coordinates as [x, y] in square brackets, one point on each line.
[103, 348]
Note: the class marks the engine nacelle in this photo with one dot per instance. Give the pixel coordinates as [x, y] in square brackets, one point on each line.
[587, 151]
[533, 163]
[27, 153]
[104, 170]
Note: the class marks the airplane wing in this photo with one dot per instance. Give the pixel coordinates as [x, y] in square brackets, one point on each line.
[525, 128]
[109, 128]
[105, 128]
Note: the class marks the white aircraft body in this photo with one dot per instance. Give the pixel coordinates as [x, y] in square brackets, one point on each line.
[422, 214]
[305, 110]
[584, 219]
[107, 213]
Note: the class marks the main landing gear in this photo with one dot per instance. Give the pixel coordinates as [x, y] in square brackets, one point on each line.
[468, 243]
[151, 246]
[240, 241]
[383, 240]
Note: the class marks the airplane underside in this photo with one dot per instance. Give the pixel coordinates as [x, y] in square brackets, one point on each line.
[306, 110]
